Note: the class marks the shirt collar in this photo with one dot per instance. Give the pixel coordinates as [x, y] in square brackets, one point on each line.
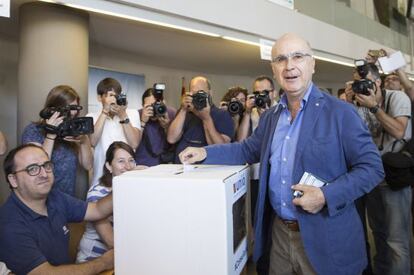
[283, 100]
[27, 210]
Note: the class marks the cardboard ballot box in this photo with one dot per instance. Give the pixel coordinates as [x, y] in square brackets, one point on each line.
[170, 221]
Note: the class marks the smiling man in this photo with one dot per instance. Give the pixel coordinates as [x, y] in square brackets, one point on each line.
[311, 132]
[34, 236]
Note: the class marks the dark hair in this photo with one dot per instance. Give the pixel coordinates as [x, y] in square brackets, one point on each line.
[9, 165]
[61, 96]
[373, 69]
[204, 78]
[341, 91]
[148, 92]
[106, 179]
[233, 92]
[265, 77]
[109, 84]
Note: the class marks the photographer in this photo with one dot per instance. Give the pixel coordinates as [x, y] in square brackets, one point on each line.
[66, 152]
[199, 122]
[113, 123]
[387, 114]
[261, 100]
[155, 119]
[234, 101]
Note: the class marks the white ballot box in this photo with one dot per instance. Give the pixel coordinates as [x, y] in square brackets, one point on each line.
[170, 221]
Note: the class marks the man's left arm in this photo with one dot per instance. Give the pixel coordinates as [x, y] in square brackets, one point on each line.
[364, 163]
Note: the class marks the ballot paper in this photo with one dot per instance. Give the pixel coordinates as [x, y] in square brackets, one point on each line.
[188, 167]
[392, 62]
[308, 179]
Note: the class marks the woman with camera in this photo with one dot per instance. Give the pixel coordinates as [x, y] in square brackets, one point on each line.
[99, 236]
[235, 101]
[62, 103]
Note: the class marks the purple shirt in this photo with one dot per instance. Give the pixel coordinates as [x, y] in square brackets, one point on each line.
[154, 139]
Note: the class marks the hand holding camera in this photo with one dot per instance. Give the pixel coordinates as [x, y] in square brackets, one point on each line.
[201, 105]
[187, 102]
[61, 123]
[368, 101]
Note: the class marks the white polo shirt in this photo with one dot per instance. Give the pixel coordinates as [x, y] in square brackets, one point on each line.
[112, 131]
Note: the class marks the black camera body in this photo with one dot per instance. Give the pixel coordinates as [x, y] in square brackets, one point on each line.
[159, 108]
[235, 107]
[70, 126]
[261, 99]
[362, 86]
[47, 112]
[121, 99]
[200, 100]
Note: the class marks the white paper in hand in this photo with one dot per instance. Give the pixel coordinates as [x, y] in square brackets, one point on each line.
[308, 179]
[392, 63]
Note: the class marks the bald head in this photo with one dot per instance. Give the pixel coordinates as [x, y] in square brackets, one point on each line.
[199, 83]
[290, 39]
[293, 64]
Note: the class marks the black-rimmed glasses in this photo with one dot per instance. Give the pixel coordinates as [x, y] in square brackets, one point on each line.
[34, 169]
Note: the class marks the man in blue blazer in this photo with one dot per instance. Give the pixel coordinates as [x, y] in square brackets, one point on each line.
[308, 131]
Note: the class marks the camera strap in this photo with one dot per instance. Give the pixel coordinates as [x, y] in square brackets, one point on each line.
[387, 108]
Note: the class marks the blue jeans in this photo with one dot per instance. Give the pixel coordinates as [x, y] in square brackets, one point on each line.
[389, 216]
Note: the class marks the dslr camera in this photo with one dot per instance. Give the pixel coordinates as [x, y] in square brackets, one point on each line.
[158, 106]
[235, 107]
[70, 126]
[362, 86]
[121, 99]
[261, 99]
[200, 100]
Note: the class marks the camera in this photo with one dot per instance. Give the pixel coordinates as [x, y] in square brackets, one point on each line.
[70, 126]
[362, 86]
[121, 99]
[235, 107]
[159, 89]
[261, 99]
[200, 100]
[158, 106]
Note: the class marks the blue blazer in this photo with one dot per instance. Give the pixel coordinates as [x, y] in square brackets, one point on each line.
[334, 145]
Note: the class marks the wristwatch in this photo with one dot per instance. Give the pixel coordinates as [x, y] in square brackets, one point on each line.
[374, 109]
[125, 121]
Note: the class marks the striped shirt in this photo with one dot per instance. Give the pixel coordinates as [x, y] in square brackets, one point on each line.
[91, 246]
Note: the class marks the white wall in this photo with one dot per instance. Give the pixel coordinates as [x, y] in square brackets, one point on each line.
[8, 102]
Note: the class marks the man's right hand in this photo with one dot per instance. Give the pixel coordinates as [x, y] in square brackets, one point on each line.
[187, 102]
[192, 154]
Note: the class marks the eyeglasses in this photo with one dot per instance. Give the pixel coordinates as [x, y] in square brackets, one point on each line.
[295, 57]
[34, 169]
